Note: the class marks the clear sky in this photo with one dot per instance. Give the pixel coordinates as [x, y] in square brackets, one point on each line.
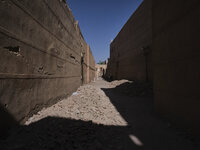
[101, 20]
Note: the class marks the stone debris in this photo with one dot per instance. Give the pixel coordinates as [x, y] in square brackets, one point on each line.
[88, 104]
[75, 93]
[119, 82]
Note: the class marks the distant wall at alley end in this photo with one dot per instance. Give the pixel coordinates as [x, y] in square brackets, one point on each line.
[41, 50]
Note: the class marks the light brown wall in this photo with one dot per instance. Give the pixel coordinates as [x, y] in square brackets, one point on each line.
[99, 70]
[92, 66]
[126, 54]
[48, 65]
[89, 66]
[176, 57]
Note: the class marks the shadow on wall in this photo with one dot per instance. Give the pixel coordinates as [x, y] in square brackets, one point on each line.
[8, 121]
[61, 133]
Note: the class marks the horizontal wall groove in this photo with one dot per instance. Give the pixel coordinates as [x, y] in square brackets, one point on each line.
[32, 76]
[67, 15]
[90, 67]
[60, 20]
[38, 22]
[13, 36]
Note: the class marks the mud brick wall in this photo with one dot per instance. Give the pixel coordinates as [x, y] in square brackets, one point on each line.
[92, 70]
[127, 60]
[176, 61]
[89, 65]
[40, 55]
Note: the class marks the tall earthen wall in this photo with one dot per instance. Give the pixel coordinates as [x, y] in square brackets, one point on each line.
[171, 36]
[88, 66]
[40, 55]
[176, 61]
[127, 58]
[92, 70]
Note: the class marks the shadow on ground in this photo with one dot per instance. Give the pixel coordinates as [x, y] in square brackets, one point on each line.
[61, 133]
[144, 130]
[134, 101]
[135, 89]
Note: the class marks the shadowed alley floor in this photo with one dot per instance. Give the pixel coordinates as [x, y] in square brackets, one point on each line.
[100, 116]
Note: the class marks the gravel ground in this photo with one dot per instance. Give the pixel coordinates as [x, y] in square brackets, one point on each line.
[89, 103]
[102, 115]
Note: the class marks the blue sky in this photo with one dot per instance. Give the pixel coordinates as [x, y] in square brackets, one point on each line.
[101, 20]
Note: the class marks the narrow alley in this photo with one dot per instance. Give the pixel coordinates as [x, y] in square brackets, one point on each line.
[100, 116]
[99, 75]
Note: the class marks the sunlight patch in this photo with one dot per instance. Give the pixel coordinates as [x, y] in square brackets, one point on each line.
[135, 140]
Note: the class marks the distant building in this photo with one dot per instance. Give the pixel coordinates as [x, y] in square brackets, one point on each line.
[101, 69]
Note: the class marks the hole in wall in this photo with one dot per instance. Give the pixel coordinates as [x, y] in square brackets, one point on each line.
[72, 56]
[6, 105]
[41, 68]
[13, 49]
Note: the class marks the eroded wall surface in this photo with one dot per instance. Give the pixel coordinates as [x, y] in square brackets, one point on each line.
[127, 58]
[176, 57]
[89, 66]
[92, 69]
[40, 55]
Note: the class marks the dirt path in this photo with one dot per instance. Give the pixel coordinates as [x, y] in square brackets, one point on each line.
[99, 116]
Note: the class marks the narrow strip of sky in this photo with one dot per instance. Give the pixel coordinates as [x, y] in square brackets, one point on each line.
[101, 20]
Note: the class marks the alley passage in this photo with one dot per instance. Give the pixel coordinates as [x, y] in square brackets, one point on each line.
[103, 115]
